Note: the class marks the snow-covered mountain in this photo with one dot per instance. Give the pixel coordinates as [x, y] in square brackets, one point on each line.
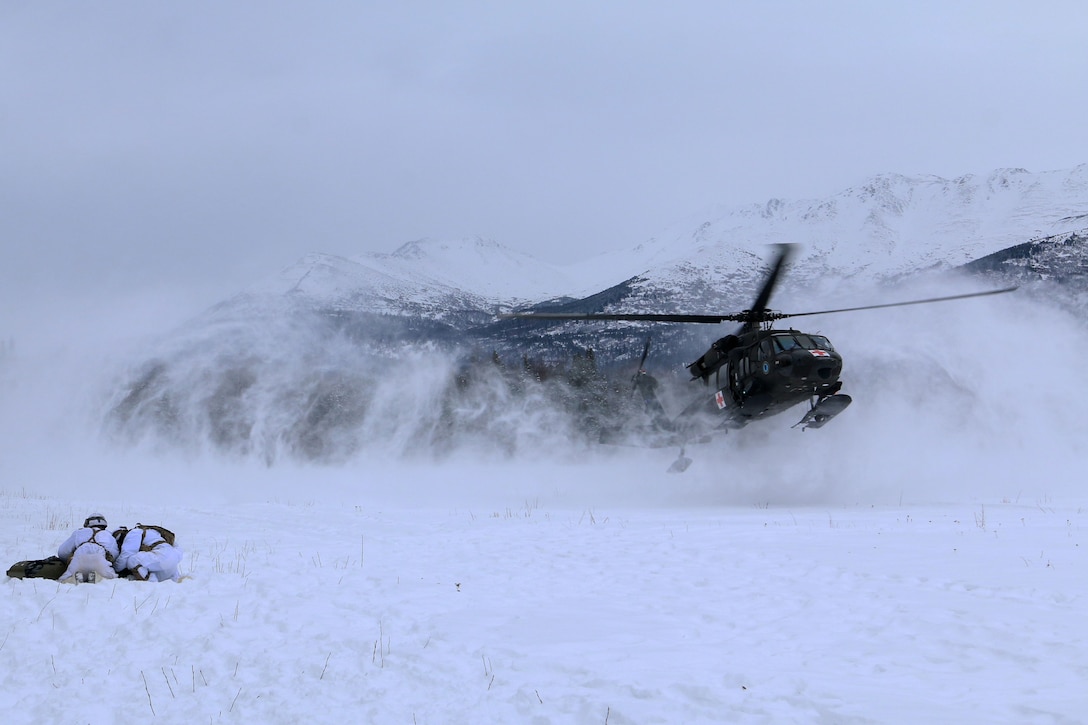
[300, 363]
[891, 226]
[427, 277]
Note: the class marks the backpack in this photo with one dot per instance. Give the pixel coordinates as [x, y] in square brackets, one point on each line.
[166, 534]
[94, 540]
[51, 568]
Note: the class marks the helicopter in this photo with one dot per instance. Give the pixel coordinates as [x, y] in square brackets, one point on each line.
[756, 372]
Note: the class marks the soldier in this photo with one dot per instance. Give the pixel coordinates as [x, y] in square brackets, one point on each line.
[148, 553]
[90, 552]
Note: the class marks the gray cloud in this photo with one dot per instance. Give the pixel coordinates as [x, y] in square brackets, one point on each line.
[211, 143]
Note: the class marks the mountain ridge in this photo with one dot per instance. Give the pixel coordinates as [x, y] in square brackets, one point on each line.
[887, 227]
[337, 355]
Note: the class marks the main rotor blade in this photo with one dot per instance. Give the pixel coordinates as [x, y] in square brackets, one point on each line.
[641, 362]
[586, 316]
[783, 316]
[645, 352]
[745, 316]
[784, 253]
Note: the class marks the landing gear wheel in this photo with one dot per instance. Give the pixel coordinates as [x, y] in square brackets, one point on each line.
[824, 410]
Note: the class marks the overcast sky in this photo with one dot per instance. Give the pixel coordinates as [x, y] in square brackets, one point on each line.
[212, 143]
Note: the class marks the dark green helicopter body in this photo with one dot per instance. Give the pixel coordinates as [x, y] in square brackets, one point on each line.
[765, 372]
[756, 372]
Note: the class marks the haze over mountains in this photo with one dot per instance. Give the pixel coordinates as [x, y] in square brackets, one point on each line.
[851, 245]
[890, 226]
[335, 356]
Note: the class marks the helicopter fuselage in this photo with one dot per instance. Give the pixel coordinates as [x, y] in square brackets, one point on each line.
[756, 372]
[761, 373]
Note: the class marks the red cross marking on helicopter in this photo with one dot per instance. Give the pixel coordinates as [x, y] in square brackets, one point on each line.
[719, 399]
[820, 353]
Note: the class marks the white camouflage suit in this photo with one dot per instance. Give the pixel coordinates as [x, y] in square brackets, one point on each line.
[89, 549]
[147, 555]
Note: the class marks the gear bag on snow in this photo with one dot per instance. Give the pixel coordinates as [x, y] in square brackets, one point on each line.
[51, 568]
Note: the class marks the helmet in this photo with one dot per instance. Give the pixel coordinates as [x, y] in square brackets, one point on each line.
[95, 521]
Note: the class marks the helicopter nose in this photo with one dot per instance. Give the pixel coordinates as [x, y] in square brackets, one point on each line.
[812, 365]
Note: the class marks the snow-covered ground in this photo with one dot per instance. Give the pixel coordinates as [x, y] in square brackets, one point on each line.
[550, 595]
[920, 559]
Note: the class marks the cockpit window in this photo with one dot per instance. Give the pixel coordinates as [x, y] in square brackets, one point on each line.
[784, 343]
